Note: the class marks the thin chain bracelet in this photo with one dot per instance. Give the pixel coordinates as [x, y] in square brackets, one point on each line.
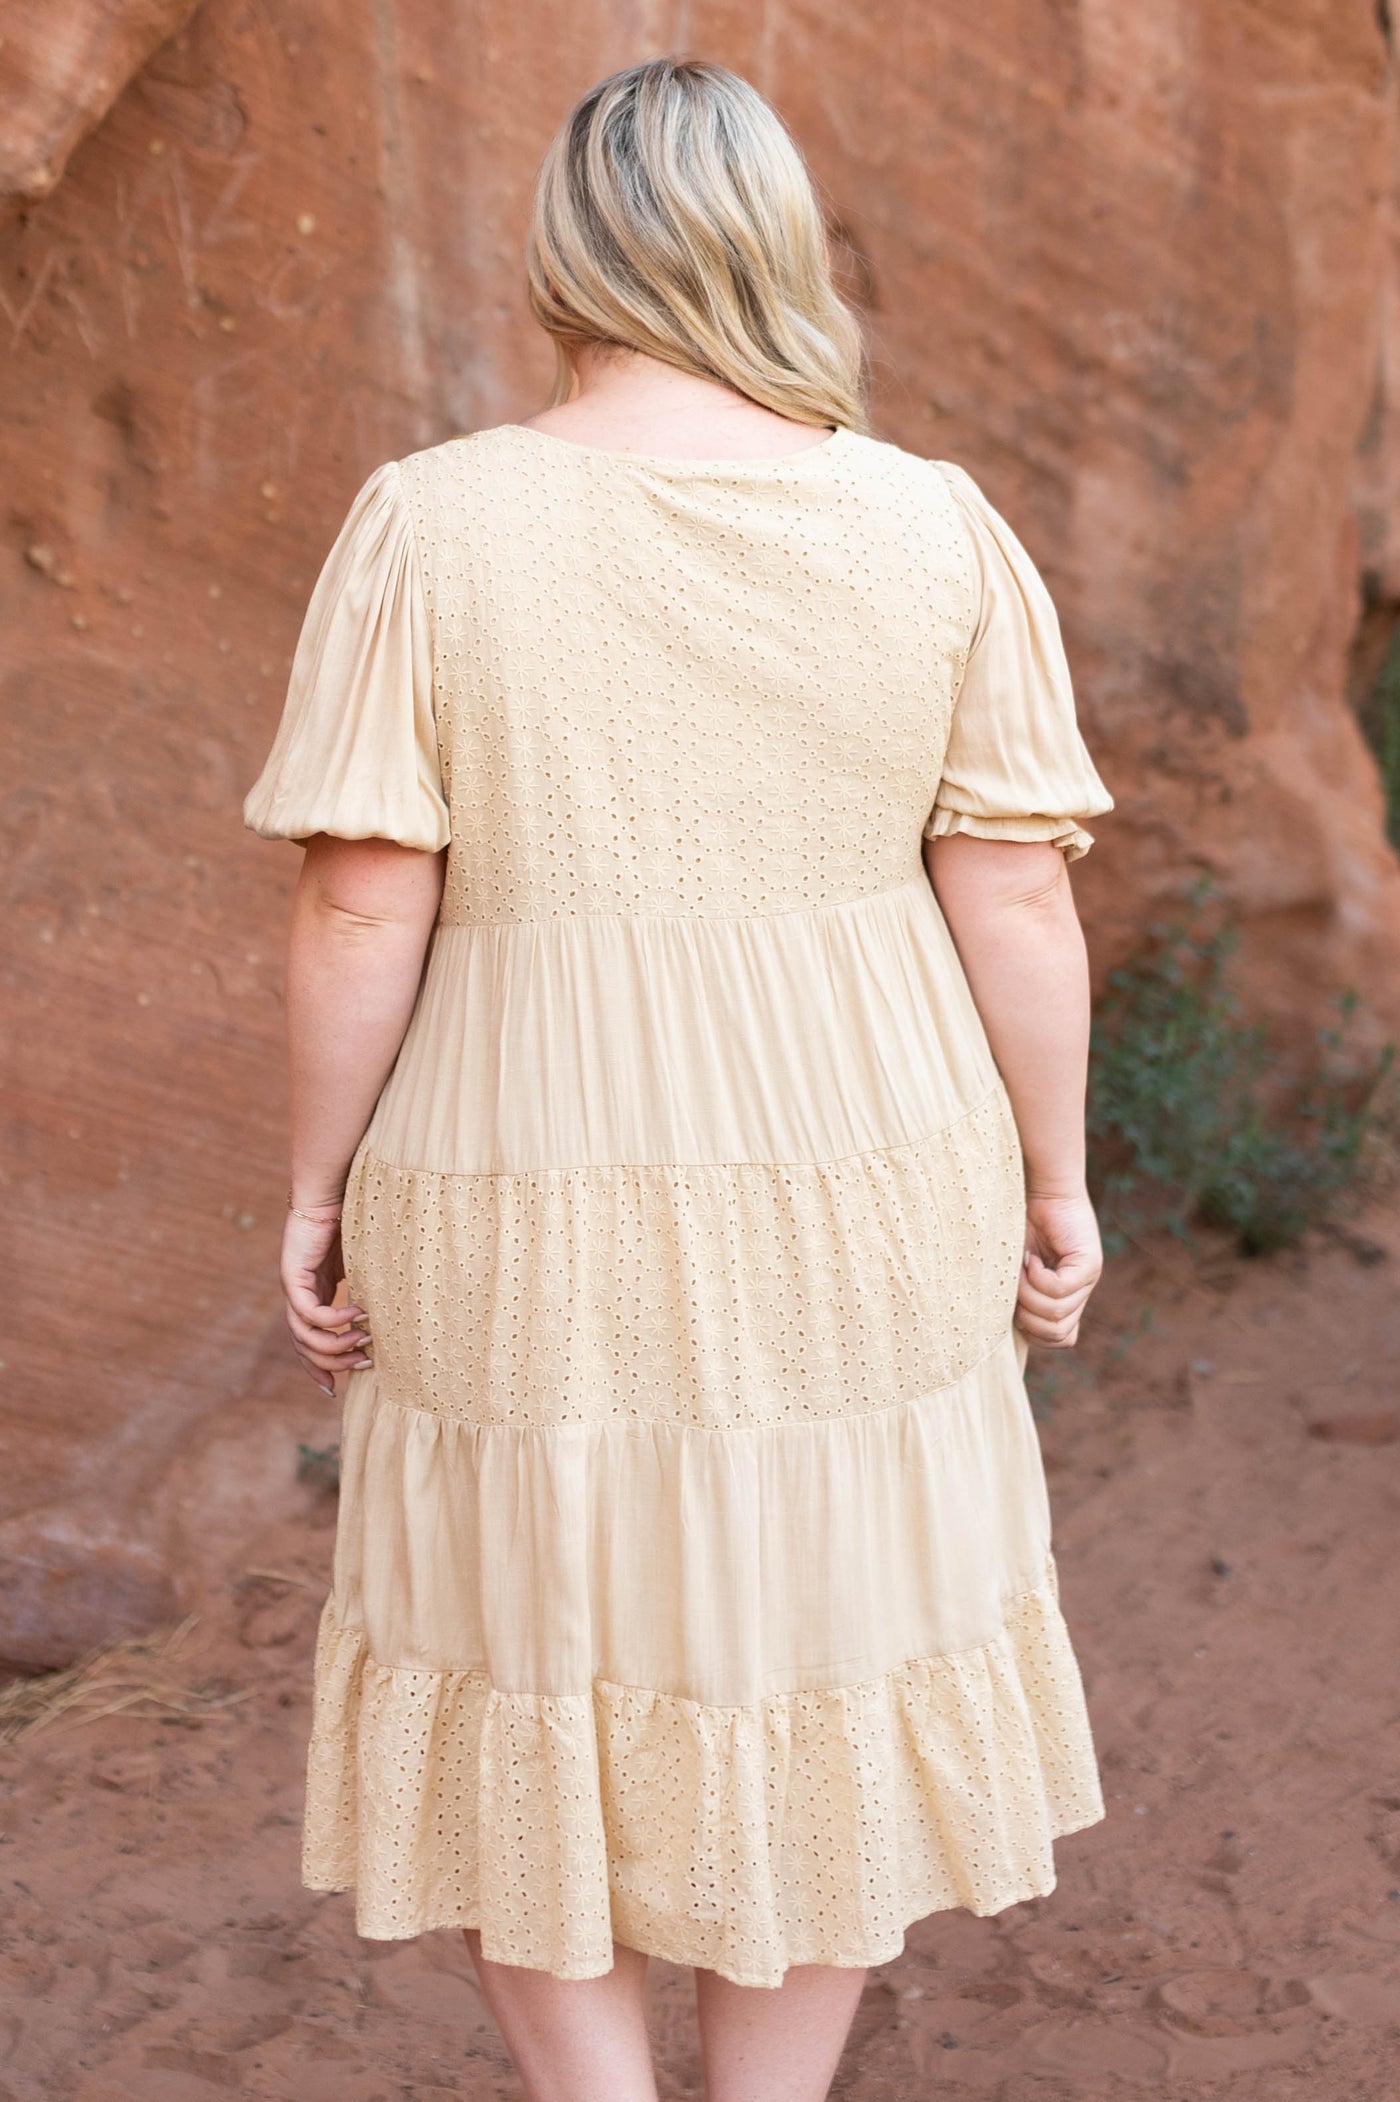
[311, 1217]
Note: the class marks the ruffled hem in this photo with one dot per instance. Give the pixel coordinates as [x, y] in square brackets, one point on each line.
[809, 1827]
[1066, 833]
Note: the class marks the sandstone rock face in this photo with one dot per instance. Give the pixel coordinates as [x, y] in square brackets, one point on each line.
[57, 80]
[1134, 267]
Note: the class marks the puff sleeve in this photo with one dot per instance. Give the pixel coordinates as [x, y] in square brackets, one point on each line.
[356, 752]
[1015, 766]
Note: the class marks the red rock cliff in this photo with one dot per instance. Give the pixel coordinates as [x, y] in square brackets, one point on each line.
[1134, 267]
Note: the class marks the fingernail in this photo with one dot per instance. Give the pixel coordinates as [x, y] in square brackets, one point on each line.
[359, 1362]
[325, 1389]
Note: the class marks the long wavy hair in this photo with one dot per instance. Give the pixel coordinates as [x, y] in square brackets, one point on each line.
[673, 214]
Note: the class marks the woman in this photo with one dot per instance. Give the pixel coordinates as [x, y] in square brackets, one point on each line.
[700, 1191]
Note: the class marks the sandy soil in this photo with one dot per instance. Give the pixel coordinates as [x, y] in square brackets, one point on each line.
[1229, 1574]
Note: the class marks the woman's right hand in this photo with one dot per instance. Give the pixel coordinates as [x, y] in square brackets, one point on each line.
[328, 1339]
[1061, 1264]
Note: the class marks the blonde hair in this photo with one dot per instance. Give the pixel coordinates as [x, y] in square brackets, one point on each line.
[673, 214]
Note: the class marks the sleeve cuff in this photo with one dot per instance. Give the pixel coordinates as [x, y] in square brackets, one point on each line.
[1063, 832]
[270, 821]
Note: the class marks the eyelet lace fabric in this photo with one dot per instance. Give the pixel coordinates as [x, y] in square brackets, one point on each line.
[735, 1293]
[804, 1828]
[693, 1582]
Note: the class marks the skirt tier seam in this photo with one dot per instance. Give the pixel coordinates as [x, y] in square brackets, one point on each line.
[709, 919]
[1045, 1588]
[641, 1427]
[367, 1158]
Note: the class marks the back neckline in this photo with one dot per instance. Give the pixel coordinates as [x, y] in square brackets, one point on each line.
[681, 464]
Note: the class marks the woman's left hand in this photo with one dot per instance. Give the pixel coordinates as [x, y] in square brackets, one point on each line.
[328, 1339]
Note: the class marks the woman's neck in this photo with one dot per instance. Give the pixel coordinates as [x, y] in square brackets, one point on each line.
[629, 402]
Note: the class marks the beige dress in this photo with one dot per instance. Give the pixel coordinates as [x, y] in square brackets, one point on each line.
[693, 1584]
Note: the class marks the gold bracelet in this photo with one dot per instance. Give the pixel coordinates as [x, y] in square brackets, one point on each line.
[312, 1217]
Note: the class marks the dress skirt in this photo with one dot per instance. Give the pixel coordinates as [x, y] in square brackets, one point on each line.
[693, 1584]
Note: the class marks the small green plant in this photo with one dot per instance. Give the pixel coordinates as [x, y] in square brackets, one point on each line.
[1380, 720]
[1191, 1116]
[319, 1465]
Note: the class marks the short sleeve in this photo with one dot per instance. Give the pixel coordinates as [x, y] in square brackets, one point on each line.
[1016, 766]
[356, 752]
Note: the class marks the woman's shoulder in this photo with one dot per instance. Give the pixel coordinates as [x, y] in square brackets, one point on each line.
[903, 471]
[466, 456]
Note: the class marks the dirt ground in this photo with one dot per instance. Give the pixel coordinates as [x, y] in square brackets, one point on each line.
[1226, 1485]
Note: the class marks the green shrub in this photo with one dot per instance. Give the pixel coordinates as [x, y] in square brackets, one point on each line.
[319, 1465]
[1380, 720]
[1191, 1114]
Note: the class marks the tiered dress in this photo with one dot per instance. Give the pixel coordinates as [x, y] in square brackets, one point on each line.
[693, 1584]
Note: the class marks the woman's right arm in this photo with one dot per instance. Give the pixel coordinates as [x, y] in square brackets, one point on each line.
[1011, 913]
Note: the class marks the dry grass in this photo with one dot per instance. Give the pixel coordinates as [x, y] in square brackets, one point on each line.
[140, 1676]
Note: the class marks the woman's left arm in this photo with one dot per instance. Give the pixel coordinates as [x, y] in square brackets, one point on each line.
[361, 920]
